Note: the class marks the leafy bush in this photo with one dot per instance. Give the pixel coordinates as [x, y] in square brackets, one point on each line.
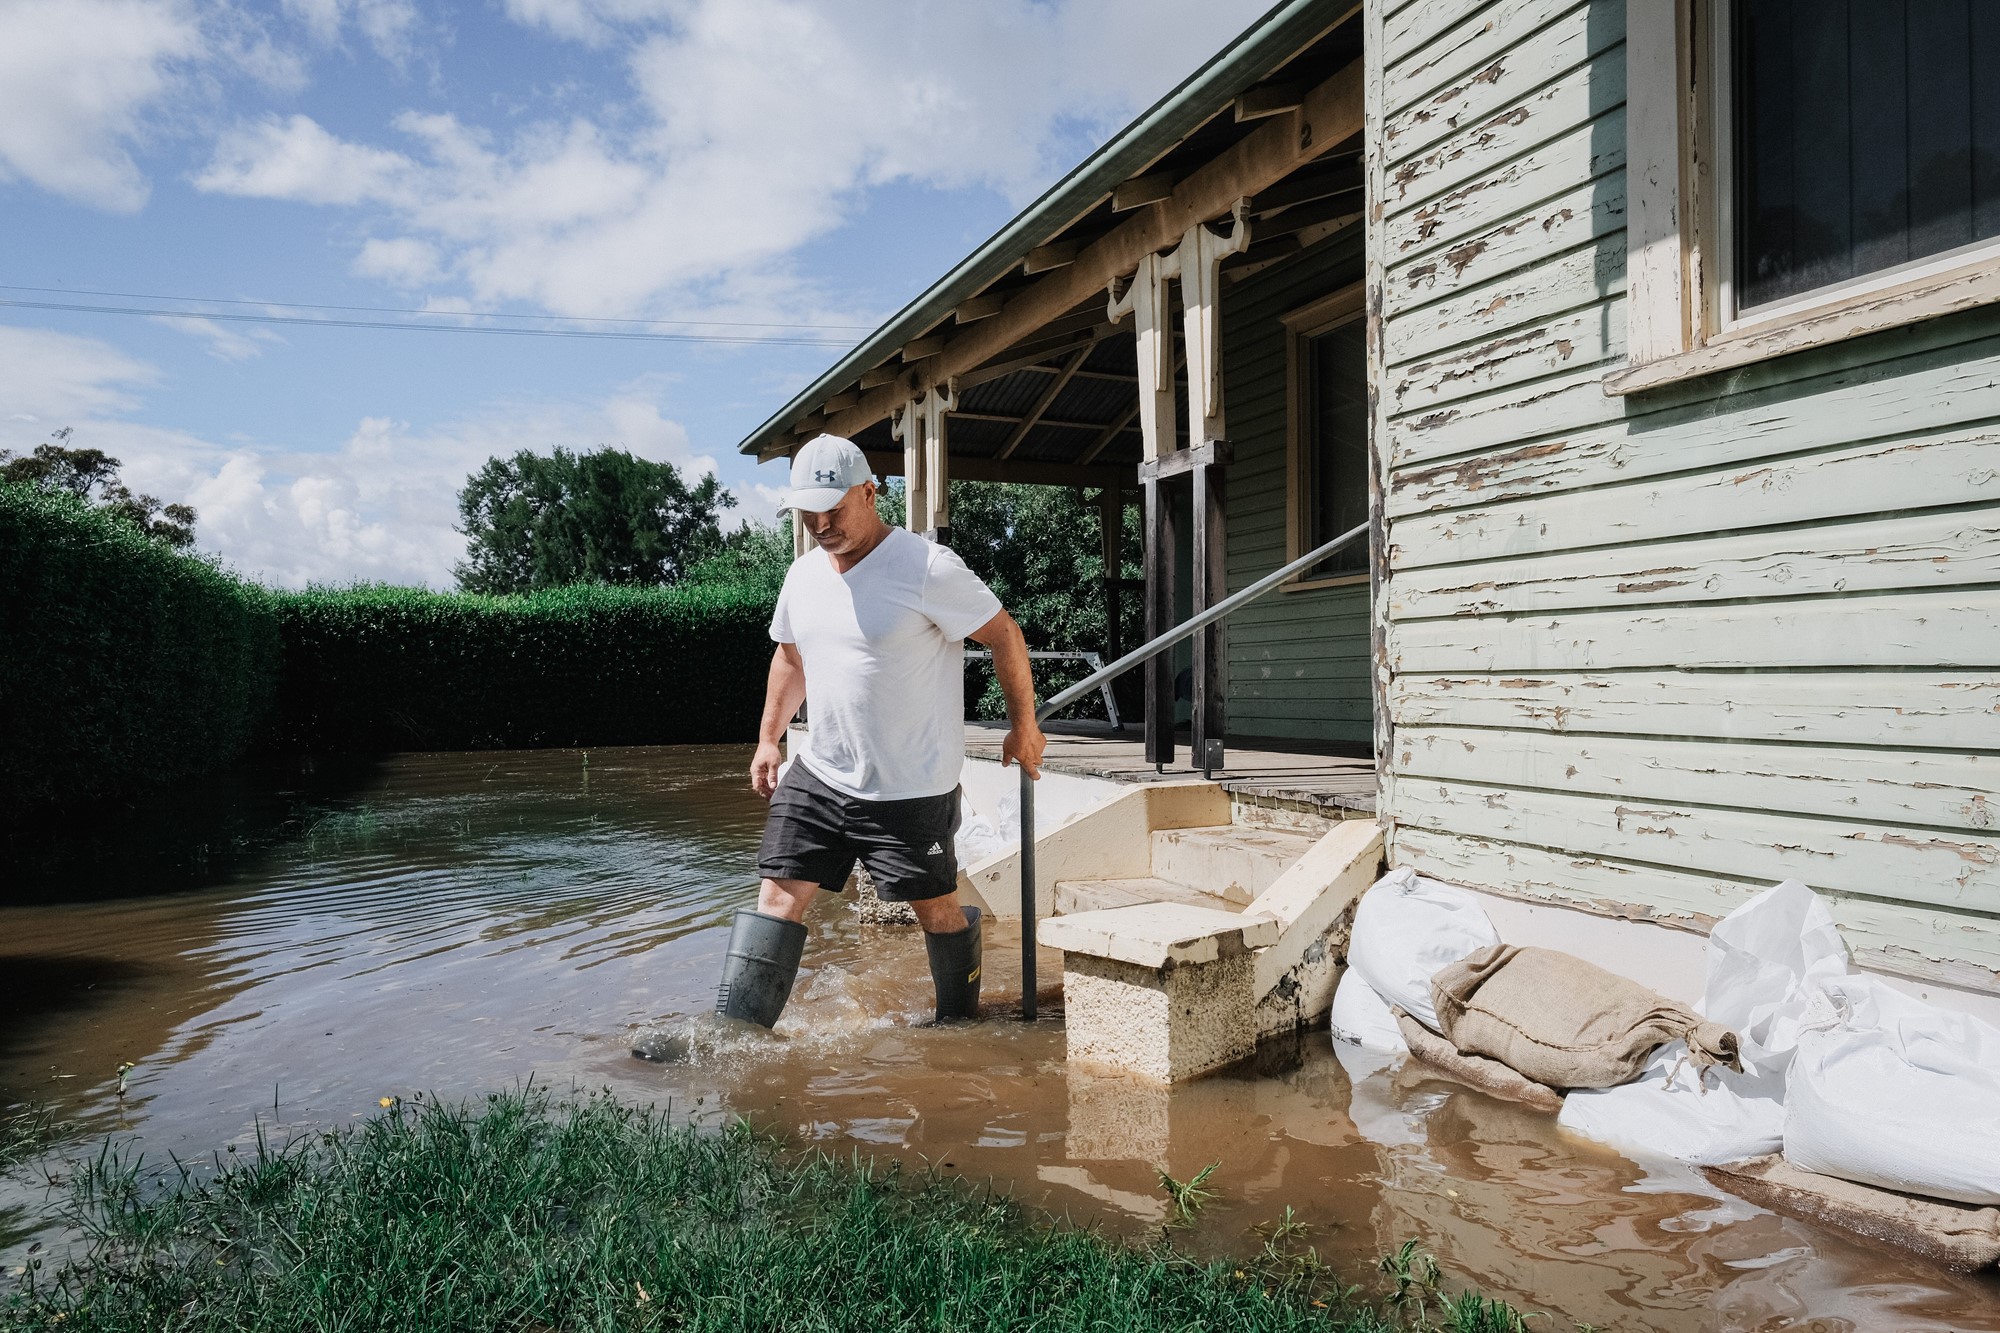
[380, 668]
[124, 664]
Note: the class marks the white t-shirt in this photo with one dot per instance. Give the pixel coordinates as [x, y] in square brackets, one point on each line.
[884, 650]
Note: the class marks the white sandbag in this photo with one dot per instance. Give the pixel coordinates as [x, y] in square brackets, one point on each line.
[1893, 1092]
[1405, 929]
[1701, 1117]
[1360, 1017]
[1765, 962]
[977, 838]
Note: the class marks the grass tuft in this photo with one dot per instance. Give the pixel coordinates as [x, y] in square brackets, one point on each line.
[525, 1212]
[26, 1131]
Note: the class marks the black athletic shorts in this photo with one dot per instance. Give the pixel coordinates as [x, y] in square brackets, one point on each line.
[816, 833]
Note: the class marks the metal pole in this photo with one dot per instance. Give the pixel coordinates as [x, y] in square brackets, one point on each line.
[1027, 895]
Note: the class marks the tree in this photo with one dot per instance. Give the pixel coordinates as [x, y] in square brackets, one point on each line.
[1038, 548]
[91, 475]
[602, 517]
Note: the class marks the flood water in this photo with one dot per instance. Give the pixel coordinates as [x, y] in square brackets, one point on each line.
[455, 923]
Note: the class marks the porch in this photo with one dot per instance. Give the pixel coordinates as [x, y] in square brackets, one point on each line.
[1335, 780]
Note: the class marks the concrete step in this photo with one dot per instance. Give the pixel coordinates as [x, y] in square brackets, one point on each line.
[1098, 895]
[1234, 862]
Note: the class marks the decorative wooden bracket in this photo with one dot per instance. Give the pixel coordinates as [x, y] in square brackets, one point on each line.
[1197, 263]
[920, 425]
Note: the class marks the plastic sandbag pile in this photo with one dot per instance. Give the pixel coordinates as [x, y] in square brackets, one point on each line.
[1787, 1051]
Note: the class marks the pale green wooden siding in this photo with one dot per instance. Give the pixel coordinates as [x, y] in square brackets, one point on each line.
[1298, 661]
[1652, 654]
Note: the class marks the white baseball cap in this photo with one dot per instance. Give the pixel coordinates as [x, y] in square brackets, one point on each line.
[824, 469]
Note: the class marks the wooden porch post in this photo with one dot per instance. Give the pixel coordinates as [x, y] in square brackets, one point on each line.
[1210, 650]
[1110, 534]
[1159, 575]
[1200, 259]
[908, 427]
[921, 425]
[1148, 299]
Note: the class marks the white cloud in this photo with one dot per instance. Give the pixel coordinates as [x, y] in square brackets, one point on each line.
[403, 261]
[756, 503]
[751, 128]
[381, 504]
[388, 25]
[51, 380]
[294, 158]
[76, 80]
[227, 340]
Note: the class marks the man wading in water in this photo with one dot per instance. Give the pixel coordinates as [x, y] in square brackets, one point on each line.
[871, 631]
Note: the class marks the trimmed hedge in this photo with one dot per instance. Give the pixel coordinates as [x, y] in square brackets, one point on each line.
[123, 664]
[379, 668]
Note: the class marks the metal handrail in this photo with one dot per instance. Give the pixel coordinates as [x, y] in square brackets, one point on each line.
[1187, 629]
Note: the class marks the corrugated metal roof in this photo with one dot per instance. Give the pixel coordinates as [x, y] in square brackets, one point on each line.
[1265, 44]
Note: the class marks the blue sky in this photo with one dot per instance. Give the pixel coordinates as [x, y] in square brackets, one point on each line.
[805, 166]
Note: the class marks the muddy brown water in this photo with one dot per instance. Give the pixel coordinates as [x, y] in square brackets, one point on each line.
[454, 923]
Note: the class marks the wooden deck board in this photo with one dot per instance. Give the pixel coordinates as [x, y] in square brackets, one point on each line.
[1313, 773]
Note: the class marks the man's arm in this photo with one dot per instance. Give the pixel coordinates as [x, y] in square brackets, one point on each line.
[784, 691]
[1024, 740]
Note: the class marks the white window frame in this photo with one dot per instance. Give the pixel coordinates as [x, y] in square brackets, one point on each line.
[1681, 320]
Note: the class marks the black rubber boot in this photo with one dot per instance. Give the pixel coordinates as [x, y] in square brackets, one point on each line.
[955, 961]
[763, 962]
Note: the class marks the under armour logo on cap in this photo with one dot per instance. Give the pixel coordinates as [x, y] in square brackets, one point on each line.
[824, 470]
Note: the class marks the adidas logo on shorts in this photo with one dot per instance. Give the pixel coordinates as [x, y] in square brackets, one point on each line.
[937, 849]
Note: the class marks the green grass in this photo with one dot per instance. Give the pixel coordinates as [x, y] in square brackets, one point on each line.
[24, 1132]
[526, 1213]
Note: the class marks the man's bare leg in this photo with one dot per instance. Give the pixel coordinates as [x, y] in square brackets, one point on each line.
[786, 899]
[943, 915]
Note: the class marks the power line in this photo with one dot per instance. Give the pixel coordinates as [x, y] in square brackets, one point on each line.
[410, 310]
[161, 312]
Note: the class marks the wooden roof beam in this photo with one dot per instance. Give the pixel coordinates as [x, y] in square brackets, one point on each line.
[983, 306]
[1142, 190]
[1042, 401]
[1056, 254]
[1329, 113]
[966, 468]
[1013, 419]
[1270, 99]
[1109, 433]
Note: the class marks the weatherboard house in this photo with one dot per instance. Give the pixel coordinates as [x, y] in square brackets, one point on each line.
[1655, 345]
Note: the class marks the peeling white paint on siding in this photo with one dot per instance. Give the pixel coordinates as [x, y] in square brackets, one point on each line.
[1653, 653]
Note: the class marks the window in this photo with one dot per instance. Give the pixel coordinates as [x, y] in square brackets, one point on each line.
[1329, 435]
[1864, 138]
[1803, 171]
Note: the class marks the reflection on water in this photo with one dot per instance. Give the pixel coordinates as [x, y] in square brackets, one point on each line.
[459, 922]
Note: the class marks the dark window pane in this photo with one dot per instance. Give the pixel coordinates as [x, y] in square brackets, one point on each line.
[1764, 107]
[1986, 118]
[1867, 136]
[1822, 245]
[1336, 363]
[1879, 152]
[1940, 126]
